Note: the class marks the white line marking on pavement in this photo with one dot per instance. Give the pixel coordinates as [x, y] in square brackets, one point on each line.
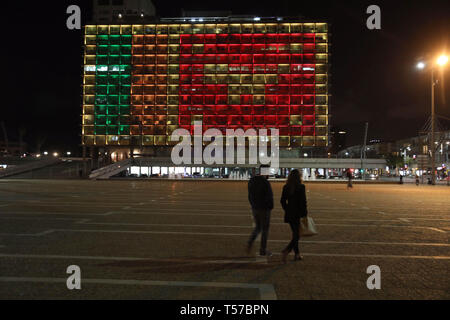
[74, 204]
[78, 220]
[404, 220]
[437, 229]
[60, 213]
[379, 226]
[83, 221]
[266, 291]
[245, 227]
[246, 260]
[38, 234]
[372, 256]
[176, 212]
[143, 224]
[366, 208]
[182, 204]
[418, 244]
[149, 232]
[162, 225]
[381, 212]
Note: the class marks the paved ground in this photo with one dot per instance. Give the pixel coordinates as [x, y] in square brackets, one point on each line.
[185, 240]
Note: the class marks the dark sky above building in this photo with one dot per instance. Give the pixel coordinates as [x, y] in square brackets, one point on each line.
[373, 72]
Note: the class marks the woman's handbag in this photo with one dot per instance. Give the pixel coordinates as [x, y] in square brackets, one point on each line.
[307, 227]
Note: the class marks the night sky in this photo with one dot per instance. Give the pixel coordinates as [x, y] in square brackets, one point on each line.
[373, 72]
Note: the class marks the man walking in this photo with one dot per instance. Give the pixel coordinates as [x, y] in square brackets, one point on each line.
[260, 196]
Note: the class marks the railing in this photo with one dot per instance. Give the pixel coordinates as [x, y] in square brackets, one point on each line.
[110, 170]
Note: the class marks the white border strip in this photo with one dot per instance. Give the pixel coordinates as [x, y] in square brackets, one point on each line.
[266, 291]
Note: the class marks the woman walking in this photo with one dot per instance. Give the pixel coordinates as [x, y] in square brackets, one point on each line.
[293, 201]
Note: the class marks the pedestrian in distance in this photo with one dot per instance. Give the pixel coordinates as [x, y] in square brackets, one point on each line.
[349, 177]
[260, 196]
[401, 179]
[417, 180]
[293, 201]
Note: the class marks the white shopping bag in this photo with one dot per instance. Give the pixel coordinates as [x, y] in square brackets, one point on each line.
[307, 227]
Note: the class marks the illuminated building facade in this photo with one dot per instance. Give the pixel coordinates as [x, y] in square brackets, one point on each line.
[141, 82]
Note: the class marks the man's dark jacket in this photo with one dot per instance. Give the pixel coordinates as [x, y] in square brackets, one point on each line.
[260, 193]
[294, 204]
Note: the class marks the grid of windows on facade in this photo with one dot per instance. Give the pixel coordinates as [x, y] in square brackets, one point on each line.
[141, 82]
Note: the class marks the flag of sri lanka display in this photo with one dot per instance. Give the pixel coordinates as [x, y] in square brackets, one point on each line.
[141, 82]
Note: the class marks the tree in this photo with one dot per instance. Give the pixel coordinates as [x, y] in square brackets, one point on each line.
[394, 161]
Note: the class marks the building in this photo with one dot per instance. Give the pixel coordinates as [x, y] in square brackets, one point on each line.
[338, 140]
[412, 150]
[143, 81]
[115, 11]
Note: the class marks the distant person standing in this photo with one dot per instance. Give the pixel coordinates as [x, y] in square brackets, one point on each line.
[401, 179]
[417, 180]
[260, 196]
[293, 201]
[349, 177]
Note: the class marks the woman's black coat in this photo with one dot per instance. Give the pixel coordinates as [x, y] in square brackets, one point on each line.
[294, 204]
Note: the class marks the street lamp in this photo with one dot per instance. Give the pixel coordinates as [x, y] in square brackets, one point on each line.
[420, 65]
[441, 61]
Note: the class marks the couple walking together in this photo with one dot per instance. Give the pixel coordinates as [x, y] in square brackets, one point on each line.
[293, 201]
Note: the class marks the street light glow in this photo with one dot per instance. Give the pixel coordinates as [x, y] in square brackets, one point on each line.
[442, 60]
[420, 65]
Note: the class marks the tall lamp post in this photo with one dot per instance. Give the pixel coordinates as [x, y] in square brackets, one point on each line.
[441, 61]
